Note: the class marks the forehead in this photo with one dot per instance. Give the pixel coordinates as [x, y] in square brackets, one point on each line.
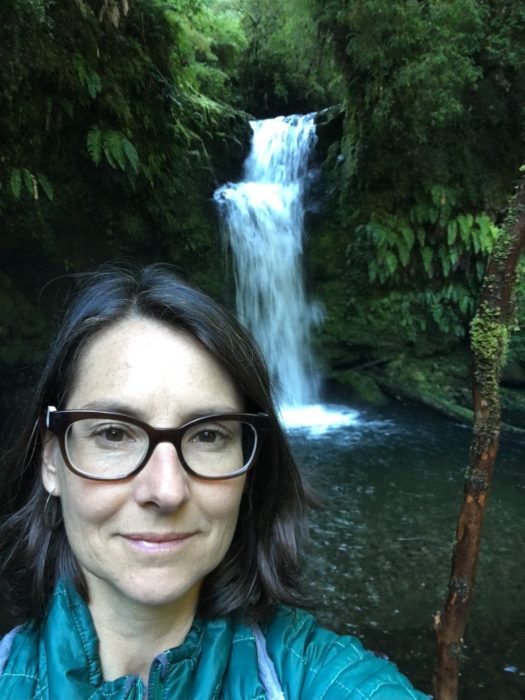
[142, 361]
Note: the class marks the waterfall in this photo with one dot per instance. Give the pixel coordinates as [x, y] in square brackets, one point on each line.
[263, 218]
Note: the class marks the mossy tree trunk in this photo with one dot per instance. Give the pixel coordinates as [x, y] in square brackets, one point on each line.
[490, 331]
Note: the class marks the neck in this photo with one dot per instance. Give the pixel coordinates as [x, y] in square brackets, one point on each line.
[131, 635]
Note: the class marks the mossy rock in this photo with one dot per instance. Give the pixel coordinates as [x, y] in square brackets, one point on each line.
[362, 387]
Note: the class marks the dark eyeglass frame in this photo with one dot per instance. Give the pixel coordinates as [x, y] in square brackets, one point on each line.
[58, 423]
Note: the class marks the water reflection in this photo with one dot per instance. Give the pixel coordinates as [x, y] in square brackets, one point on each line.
[380, 551]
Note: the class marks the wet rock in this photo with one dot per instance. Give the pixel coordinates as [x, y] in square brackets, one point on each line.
[363, 388]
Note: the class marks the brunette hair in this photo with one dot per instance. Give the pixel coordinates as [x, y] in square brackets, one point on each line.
[262, 565]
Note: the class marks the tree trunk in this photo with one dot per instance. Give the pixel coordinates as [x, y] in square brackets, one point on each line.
[490, 330]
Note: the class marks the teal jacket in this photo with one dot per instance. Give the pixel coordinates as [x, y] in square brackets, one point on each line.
[217, 660]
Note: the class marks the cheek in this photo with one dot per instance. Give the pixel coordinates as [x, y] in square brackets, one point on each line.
[221, 503]
[86, 503]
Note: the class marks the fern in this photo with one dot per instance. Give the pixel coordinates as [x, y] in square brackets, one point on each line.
[118, 150]
[23, 178]
[88, 77]
[94, 144]
[427, 254]
[465, 225]
[403, 252]
[46, 186]
[452, 232]
[30, 183]
[131, 154]
[15, 182]
[114, 150]
[408, 234]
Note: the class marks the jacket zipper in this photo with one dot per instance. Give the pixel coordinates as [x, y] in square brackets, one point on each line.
[155, 686]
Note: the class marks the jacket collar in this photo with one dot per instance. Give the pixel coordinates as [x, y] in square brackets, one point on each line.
[73, 663]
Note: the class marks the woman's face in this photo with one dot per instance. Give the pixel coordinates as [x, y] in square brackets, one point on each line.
[152, 538]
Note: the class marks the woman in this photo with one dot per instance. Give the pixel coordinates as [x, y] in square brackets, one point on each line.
[156, 513]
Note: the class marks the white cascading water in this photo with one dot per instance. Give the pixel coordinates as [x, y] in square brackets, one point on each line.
[263, 218]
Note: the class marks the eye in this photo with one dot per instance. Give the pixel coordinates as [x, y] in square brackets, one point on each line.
[209, 435]
[112, 434]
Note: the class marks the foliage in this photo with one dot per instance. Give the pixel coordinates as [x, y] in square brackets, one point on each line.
[433, 140]
[211, 39]
[517, 338]
[111, 126]
[285, 67]
[118, 118]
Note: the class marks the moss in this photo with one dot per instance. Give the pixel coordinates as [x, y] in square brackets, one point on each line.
[489, 342]
[362, 388]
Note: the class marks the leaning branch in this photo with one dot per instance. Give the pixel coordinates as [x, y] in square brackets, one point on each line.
[490, 330]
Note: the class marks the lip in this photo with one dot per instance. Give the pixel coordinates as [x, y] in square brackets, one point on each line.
[158, 542]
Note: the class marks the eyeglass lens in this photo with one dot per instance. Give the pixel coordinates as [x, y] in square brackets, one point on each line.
[109, 448]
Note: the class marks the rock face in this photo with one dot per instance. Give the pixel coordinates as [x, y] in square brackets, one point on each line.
[329, 129]
[229, 146]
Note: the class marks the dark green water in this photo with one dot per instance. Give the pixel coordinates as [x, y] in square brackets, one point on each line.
[381, 548]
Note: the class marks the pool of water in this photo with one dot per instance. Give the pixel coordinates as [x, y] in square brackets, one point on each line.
[380, 550]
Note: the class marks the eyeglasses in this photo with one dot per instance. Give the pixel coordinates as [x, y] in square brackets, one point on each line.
[110, 446]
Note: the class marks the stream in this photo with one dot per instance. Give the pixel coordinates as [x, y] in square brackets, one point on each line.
[380, 548]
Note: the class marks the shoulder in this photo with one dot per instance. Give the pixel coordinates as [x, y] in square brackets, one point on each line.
[5, 647]
[18, 664]
[312, 661]
[19, 650]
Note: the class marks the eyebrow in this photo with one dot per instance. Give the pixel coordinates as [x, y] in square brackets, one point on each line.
[110, 406]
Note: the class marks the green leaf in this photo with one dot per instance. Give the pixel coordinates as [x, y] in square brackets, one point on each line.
[419, 213]
[480, 269]
[464, 304]
[46, 186]
[465, 228]
[131, 154]
[15, 182]
[408, 236]
[390, 262]
[376, 233]
[114, 150]
[94, 144]
[94, 83]
[427, 254]
[88, 77]
[433, 214]
[30, 183]
[487, 233]
[452, 231]
[403, 252]
[438, 195]
[445, 260]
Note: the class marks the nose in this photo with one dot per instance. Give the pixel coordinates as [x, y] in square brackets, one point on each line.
[163, 482]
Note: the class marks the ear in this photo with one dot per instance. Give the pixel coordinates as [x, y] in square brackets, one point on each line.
[49, 469]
